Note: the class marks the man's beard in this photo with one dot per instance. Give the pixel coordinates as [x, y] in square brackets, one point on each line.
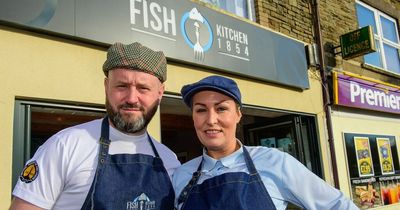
[130, 126]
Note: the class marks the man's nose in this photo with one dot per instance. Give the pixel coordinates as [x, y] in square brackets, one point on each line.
[132, 95]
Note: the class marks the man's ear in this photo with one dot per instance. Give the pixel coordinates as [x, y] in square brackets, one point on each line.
[106, 85]
[161, 90]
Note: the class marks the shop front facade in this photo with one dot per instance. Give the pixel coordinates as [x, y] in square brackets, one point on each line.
[366, 122]
[365, 99]
[51, 71]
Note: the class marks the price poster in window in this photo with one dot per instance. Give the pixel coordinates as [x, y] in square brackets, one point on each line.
[364, 160]
[385, 155]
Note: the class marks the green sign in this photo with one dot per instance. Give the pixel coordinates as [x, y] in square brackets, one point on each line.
[358, 42]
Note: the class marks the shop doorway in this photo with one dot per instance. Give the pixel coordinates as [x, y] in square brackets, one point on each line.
[294, 133]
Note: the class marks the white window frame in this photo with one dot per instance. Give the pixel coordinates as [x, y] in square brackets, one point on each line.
[379, 36]
[250, 7]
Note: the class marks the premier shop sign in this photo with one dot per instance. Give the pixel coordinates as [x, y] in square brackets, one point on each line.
[354, 91]
[186, 31]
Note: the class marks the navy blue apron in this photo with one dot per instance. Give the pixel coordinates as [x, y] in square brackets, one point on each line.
[129, 181]
[228, 191]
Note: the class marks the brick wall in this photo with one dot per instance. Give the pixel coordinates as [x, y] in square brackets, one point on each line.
[294, 19]
[290, 17]
[339, 17]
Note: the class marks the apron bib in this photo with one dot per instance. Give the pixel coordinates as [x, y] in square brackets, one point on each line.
[129, 181]
[228, 191]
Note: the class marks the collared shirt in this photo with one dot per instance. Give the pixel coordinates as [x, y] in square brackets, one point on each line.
[285, 178]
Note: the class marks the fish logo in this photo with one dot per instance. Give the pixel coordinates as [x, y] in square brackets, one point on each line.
[193, 22]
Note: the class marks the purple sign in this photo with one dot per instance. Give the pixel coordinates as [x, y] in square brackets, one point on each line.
[356, 92]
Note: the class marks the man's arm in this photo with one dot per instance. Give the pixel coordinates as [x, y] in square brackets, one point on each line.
[19, 204]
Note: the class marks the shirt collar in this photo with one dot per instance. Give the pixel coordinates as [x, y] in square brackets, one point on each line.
[209, 163]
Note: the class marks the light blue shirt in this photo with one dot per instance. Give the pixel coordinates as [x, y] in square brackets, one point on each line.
[285, 178]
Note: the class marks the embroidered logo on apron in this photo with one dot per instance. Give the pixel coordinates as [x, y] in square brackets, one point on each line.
[142, 202]
[30, 172]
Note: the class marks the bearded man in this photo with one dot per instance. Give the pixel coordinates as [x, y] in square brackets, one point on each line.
[109, 163]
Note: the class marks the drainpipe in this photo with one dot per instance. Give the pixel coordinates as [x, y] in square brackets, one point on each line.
[325, 91]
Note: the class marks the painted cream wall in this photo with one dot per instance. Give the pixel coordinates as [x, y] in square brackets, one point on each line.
[345, 122]
[41, 67]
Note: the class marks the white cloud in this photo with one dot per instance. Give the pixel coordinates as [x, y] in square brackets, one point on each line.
[195, 15]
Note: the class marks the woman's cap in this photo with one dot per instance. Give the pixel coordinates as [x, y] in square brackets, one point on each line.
[136, 57]
[220, 84]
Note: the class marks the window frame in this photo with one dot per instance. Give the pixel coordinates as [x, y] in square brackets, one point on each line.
[22, 128]
[378, 36]
[250, 8]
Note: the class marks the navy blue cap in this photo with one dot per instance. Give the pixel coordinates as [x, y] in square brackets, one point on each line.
[220, 84]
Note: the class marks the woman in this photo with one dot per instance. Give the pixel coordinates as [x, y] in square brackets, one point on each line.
[230, 175]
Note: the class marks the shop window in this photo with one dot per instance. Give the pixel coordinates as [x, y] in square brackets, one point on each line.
[386, 38]
[289, 133]
[242, 8]
[35, 122]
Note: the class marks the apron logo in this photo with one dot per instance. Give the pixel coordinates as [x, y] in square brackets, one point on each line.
[30, 172]
[142, 202]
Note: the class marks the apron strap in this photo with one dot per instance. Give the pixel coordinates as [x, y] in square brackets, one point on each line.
[253, 172]
[153, 146]
[249, 162]
[103, 151]
[105, 129]
[104, 141]
[188, 188]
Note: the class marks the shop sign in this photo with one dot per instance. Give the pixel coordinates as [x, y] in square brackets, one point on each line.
[355, 91]
[373, 184]
[186, 31]
[358, 42]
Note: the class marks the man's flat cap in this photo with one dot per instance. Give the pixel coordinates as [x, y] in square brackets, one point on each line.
[136, 57]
